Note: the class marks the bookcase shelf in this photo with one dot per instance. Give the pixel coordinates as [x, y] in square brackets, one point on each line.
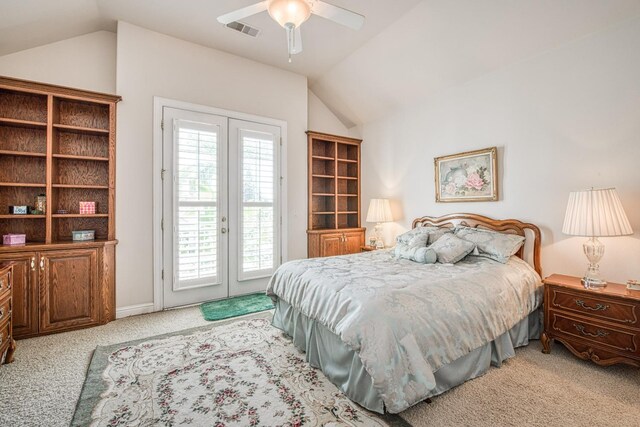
[82, 129]
[334, 195]
[22, 153]
[22, 123]
[95, 187]
[60, 143]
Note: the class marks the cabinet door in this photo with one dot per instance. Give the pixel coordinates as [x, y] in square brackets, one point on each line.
[331, 244]
[25, 293]
[353, 241]
[69, 291]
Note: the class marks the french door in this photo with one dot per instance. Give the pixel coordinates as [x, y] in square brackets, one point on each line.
[221, 206]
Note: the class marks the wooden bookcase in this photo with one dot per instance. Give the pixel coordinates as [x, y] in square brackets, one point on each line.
[58, 142]
[334, 195]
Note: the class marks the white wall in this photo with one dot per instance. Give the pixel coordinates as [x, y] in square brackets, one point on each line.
[565, 120]
[151, 64]
[321, 119]
[84, 62]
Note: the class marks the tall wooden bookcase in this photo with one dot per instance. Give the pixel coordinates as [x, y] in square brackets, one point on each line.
[334, 195]
[58, 142]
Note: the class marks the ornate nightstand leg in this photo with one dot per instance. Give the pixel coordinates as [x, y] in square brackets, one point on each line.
[546, 343]
[12, 348]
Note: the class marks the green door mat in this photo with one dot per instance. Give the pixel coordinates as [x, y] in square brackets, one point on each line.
[236, 306]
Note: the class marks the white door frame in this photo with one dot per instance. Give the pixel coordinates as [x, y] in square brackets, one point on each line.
[158, 104]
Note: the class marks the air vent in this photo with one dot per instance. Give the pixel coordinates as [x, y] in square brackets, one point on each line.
[243, 28]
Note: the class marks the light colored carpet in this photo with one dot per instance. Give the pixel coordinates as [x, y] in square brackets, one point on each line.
[41, 387]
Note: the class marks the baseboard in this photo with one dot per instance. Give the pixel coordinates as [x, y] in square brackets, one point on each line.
[134, 310]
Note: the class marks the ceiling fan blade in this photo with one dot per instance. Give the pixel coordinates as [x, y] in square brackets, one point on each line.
[243, 13]
[297, 42]
[337, 14]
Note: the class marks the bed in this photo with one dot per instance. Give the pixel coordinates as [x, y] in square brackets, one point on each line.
[390, 332]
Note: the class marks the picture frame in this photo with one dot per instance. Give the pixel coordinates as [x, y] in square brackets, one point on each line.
[471, 176]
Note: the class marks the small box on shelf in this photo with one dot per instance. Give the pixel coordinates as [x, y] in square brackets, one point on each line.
[14, 239]
[88, 208]
[18, 210]
[83, 235]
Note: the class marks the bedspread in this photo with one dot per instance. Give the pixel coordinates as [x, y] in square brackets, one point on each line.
[405, 319]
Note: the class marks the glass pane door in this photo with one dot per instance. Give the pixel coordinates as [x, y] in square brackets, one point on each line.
[254, 189]
[194, 202]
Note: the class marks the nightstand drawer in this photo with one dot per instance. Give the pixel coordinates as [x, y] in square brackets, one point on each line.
[5, 333]
[5, 309]
[616, 339]
[595, 306]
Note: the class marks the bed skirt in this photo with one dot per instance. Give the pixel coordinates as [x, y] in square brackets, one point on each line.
[342, 365]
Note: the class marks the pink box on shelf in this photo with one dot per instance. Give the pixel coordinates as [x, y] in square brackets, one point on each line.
[88, 208]
[14, 239]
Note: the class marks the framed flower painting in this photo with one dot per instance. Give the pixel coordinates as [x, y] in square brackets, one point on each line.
[467, 177]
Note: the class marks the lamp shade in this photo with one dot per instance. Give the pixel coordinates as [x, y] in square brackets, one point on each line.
[595, 213]
[379, 211]
[289, 11]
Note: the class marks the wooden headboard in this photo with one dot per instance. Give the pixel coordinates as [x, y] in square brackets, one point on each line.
[511, 226]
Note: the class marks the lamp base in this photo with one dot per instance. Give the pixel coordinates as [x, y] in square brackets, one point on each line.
[594, 250]
[378, 234]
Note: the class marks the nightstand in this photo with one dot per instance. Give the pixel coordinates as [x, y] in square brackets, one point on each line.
[367, 248]
[598, 325]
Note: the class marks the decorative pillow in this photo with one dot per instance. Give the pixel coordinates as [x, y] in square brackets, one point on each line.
[491, 244]
[438, 232]
[451, 249]
[418, 253]
[434, 234]
[406, 237]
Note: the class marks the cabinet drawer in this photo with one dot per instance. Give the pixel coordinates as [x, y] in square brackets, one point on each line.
[595, 306]
[619, 340]
[5, 284]
[5, 309]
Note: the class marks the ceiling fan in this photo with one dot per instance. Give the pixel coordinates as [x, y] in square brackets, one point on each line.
[290, 14]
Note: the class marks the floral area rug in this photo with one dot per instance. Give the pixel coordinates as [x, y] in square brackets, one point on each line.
[243, 373]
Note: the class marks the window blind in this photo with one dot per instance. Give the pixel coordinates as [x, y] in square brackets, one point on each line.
[196, 215]
[258, 214]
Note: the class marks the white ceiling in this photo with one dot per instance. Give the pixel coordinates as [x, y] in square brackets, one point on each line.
[30, 23]
[443, 43]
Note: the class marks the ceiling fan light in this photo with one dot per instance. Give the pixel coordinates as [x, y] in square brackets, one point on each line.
[289, 11]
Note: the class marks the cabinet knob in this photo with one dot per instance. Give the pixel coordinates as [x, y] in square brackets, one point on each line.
[41, 263]
[1, 313]
[33, 263]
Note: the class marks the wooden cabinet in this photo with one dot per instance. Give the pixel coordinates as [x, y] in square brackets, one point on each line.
[334, 195]
[69, 296]
[62, 287]
[602, 326]
[59, 143]
[7, 343]
[334, 243]
[25, 293]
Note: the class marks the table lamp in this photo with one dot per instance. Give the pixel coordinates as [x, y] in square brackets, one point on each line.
[595, 213]
[379, 212]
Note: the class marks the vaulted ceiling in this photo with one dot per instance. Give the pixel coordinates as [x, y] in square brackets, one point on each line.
[407, 50]
[29, 23]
